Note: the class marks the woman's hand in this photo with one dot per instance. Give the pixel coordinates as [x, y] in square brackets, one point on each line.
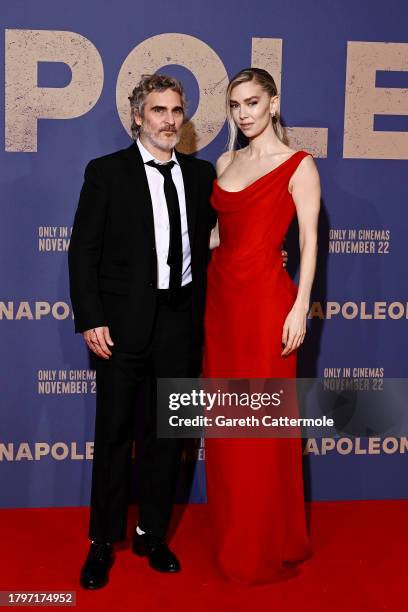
[214, 237]
[294, 329]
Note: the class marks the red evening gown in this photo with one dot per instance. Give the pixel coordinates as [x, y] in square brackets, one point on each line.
[254, 486]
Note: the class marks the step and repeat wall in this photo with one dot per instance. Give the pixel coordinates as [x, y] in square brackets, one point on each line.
[342, 70]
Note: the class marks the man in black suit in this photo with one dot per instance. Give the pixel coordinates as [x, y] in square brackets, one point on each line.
[137, 263]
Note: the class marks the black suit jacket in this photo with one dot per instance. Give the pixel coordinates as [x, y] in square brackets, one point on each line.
[112, 256]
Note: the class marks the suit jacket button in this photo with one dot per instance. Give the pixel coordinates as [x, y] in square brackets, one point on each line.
[151, 284]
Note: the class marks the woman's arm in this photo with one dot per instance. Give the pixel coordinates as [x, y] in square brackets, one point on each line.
[306, 196]
[222, 162]
[214, 237]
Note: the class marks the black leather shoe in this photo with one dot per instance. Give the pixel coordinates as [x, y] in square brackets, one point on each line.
[95, 571]
[156, 550]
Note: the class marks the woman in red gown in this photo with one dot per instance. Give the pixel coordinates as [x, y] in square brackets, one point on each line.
[255, 321]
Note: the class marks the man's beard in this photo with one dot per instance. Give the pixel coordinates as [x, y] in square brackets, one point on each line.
[159, 144]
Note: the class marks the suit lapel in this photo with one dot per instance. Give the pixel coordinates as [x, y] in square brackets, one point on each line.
[190, 190]
[139, 187]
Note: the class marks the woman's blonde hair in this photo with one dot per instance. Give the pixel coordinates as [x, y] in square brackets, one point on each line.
[265, 80]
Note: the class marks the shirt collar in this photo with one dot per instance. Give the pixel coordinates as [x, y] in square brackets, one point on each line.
[147, 156]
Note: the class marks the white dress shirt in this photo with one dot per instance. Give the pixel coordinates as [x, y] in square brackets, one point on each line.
[161, 218]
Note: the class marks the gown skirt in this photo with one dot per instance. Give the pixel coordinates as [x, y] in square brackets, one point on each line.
[254, 485]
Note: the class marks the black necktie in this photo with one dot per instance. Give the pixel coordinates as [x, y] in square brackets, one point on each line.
[175, 256]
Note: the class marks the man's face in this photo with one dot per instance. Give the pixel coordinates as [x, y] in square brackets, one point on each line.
[162, 119]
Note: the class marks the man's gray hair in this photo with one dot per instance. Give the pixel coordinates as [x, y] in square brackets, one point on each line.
[147, 84]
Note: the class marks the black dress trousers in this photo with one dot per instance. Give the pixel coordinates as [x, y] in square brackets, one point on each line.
[121, 382]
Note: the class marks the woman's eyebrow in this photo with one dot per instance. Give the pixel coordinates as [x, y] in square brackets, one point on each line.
[246, 99]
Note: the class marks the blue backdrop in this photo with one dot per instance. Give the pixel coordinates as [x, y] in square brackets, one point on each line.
[338, 79]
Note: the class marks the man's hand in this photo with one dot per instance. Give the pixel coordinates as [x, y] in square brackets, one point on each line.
[284, 257]
[98, 340]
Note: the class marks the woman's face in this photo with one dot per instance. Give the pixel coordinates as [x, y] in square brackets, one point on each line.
[251, 108]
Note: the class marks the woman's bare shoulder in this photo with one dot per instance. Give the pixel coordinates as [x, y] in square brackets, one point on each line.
[225, 160]
[308, 165]
[306, 175]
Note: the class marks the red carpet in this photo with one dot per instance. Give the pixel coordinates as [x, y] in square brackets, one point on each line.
[359, 563]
